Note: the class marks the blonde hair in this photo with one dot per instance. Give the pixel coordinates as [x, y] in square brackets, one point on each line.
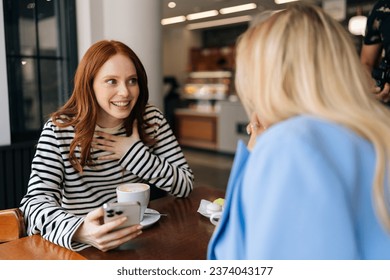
[301, 61]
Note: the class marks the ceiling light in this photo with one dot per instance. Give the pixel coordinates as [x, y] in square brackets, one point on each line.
[171, 5]
[218, 22]
[238, 8]
[194, 16]
[284, 1]
[172, 20]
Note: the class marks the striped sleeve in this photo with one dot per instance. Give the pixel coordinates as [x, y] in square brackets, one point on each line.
[163, 164]
[41, 205]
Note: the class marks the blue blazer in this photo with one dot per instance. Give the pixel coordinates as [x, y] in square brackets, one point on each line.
[304, 192]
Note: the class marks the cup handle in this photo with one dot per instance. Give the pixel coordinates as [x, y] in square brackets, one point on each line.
[215, 217]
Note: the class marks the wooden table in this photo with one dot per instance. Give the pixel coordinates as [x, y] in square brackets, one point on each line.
[182, 235]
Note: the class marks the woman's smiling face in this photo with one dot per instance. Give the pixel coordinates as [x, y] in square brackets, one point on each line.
[116, 89]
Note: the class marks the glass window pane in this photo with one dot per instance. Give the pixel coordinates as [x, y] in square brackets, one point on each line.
[47, 28]
[24, 96]
[19, 17]
[30, 93]
[52, 93]
[27, 28]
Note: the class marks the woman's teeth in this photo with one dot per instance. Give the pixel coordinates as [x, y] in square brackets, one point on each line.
[120, 104]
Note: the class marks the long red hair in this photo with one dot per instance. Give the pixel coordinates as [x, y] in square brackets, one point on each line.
[80, 111]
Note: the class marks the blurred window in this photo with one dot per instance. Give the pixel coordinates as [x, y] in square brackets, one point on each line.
[41, 51]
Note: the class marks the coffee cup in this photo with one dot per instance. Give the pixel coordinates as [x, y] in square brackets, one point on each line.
[134, 192]
[215, 218]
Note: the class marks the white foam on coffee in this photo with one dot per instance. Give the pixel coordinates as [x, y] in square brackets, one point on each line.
[133, 188]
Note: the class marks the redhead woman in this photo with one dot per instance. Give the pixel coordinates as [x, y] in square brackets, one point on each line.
[314, 184]
[105, 135]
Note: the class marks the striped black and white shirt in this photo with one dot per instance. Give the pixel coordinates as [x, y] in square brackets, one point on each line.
[59, 197]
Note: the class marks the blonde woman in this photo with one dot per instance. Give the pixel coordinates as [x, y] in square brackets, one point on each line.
[315, 184]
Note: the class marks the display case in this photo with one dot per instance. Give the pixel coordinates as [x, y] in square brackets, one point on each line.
[208, 85]
[197, 125]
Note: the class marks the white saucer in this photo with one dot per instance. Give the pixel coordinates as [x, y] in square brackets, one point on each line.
[150, 219]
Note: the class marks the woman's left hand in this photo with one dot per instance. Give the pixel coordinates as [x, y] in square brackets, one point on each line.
[104, 236]
[117, 145]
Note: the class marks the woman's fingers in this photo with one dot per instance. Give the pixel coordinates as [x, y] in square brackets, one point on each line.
[103, 147]
[109, 157]
[110, 226]
[383, 94]
[105, 135]
[103, 144]
[115, 238]
[252, 128]
[95, 215]
[117, 146]
[117, 242]
[105, 139]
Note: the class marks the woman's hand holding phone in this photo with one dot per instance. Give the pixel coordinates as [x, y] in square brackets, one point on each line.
[113, 232]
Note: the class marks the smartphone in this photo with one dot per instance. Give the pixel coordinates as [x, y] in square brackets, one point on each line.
[116, 210]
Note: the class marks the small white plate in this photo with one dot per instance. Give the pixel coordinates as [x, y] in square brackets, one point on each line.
[150, 219]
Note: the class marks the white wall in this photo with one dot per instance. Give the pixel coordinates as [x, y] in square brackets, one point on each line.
[135, 23]
[177, 42]
[5, 130]
[89, 17]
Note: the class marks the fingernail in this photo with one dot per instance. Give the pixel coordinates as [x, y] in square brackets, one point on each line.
[139, 227]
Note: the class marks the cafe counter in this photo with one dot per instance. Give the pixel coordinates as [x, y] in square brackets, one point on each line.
[216, 127]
